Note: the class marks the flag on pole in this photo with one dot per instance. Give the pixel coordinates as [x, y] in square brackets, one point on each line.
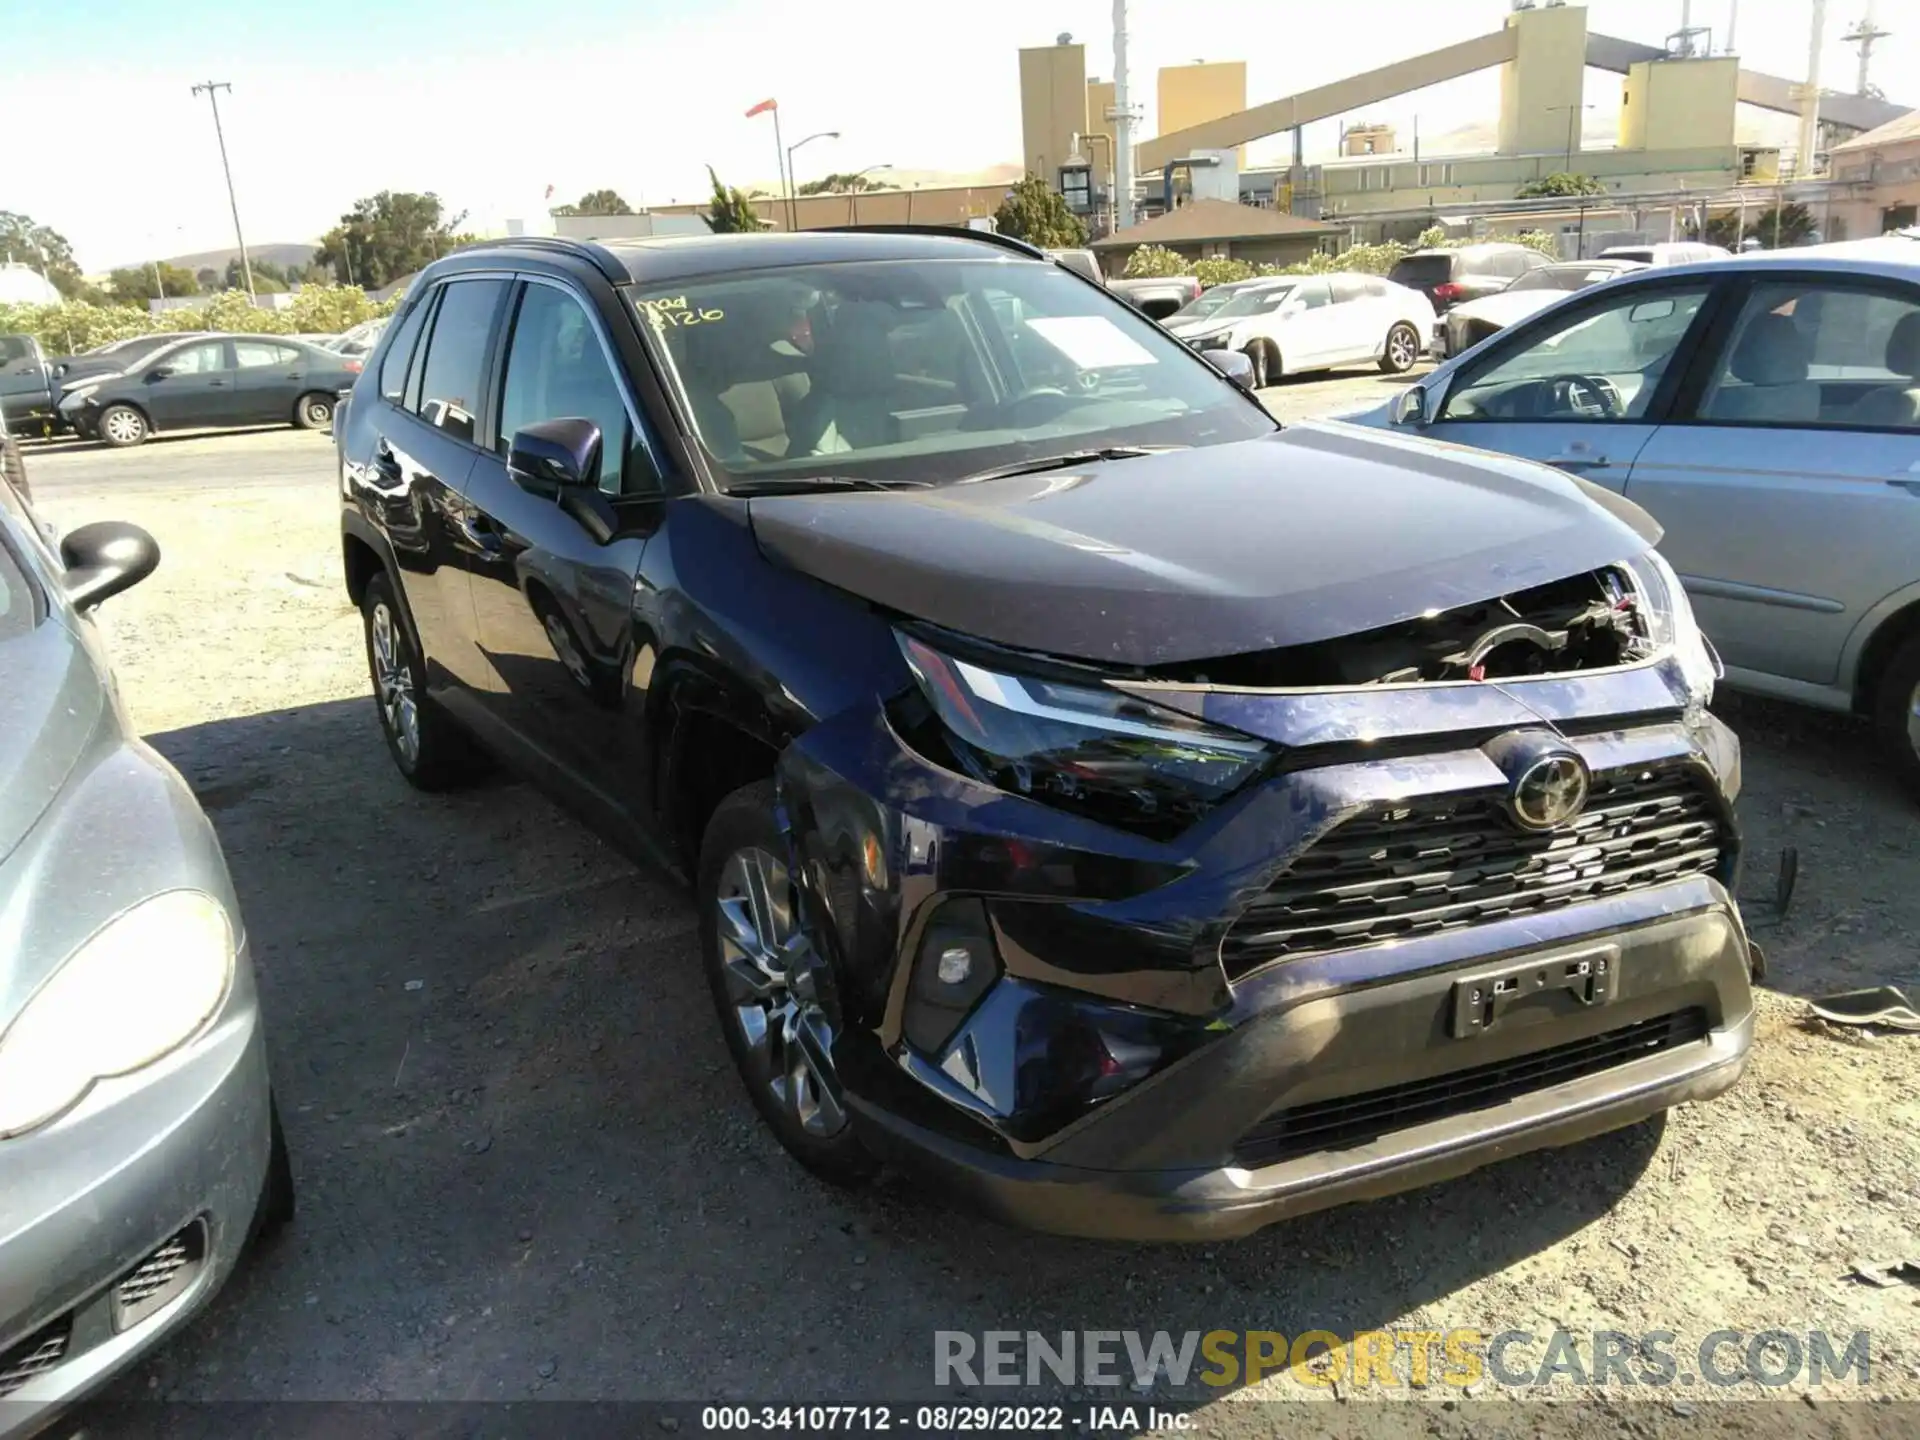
[763, 107]
[549, 194]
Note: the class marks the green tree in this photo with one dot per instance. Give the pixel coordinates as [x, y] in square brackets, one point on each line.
[1150, 262]
[268, 278]
[730, 211]
[1560, 182]
[137, 282]
[837, 184]
[1781, 226]
[596, 202]
[1037, 213]
[42, 248]
[389, 235]
[208, 277]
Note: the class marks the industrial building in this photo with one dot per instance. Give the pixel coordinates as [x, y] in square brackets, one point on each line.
[1674, 161]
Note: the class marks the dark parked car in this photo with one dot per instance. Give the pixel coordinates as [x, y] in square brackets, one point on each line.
[28, 388]
[1093, 796]
[211, 380]
[1447, 277]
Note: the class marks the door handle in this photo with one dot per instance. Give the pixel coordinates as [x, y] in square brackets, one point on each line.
[480, 532]
[216, 384]
[1579, 462]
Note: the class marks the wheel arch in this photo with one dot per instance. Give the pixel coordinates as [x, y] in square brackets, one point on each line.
[715, 738]
[1886, 628]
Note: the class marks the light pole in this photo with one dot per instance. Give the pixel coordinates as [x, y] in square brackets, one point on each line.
[246, 265]
[793, 217]
[853, 192]
[1573, 114]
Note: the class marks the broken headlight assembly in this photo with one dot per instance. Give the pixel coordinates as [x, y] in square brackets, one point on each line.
[1080, 747]
[1667, 616]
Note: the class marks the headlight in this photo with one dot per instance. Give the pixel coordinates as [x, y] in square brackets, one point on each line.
[1219, 340]
[140, 987]
[1097, 752]
[1670, 624]
[76, 396]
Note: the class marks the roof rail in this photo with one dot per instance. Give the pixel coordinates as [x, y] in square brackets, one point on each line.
[598, 256]
[988, 237]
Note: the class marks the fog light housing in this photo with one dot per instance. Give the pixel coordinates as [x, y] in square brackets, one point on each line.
[957, 962]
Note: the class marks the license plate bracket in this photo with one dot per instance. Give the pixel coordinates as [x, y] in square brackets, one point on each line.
[1589, 977]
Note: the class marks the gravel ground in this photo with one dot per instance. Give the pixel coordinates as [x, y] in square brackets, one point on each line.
[527, 1169]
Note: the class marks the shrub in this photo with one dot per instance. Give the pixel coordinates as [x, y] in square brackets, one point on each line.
[68, 328]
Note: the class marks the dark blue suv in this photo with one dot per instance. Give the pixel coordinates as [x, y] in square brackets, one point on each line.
[1149, 822]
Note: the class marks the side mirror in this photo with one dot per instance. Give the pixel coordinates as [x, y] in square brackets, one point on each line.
[160, 372]
[105, 558]
[551, 456]
[1233, 364]
[1410, 407]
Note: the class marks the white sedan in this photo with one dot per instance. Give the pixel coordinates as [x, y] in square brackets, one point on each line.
[1293, 323]
[1465, 326]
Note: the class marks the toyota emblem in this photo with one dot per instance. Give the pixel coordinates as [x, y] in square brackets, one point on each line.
[1549, 792]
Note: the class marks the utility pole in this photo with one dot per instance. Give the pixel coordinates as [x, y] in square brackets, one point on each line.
[1573, 117]
[1864, 35]
[1122, 117]
[246, 265]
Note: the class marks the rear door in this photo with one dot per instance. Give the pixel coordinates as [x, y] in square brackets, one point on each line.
[1582, 387]
[1357, 325]
[24, 383]
[192, 384]
[271, 377]
[1788, 478]
[553, 576]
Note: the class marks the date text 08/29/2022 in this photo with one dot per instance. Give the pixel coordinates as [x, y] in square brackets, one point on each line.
[941, 1419]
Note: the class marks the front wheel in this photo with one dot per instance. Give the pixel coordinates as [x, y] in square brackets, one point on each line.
[773, 988]
[1897, 714]
[1265, 363]
[1401, 350]
[122, 425]
[313, 411]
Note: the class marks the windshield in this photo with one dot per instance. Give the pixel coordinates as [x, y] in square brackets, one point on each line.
[890, 369]
[1213, 302]
[1258, 300]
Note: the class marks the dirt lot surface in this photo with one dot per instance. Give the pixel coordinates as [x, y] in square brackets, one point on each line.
[526, 1167]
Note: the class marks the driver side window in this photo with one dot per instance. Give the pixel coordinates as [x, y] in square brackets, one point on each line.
[1601, 362]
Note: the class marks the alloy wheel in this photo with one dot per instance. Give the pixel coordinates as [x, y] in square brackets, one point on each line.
[318, 413]
[1400, 349]
[562, 641]
[775, 981]
[393, 685]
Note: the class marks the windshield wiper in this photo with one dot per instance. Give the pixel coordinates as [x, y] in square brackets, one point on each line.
[1071, 458]
[806, 484]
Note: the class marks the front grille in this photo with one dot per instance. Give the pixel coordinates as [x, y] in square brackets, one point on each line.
[1412, 868]
[1357, 1119]
[160, 1277]
[35, 1355]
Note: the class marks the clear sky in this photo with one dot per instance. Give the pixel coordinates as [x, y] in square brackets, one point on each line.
[486, 102]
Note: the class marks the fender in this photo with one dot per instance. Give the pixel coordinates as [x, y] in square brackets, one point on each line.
[1850, 678]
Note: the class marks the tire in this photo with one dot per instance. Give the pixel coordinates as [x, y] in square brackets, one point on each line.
[276, 1207]
[1401, 349]
[1896, 712]
[1257, 353]
[313, 411]
[772, 989]
[431, 751]
[123, 425]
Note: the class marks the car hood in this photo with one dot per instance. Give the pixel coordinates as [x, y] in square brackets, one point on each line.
[1506, 308]
[1319, 531]
[50, 701]
[1195, 325]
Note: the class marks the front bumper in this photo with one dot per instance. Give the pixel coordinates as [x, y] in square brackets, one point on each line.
[179, 1149]
[1108, 930]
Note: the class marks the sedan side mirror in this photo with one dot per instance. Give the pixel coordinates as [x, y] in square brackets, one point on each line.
[160, 372]
[1410, 407]
[551, 456]
[105, 558]
[1233, 364]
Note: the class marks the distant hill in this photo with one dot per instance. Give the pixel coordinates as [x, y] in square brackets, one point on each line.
[281, 254]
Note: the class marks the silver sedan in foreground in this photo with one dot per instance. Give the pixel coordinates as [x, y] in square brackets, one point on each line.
[139, 1149]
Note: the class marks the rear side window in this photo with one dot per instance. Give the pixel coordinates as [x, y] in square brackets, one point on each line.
[14, 348]
[393, 366]
[454, 374]
[1419, 270]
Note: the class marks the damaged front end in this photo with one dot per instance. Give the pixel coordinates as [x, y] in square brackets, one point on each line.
[1105, 919]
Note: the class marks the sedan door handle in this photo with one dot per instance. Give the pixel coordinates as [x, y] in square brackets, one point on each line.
[1579, 462]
